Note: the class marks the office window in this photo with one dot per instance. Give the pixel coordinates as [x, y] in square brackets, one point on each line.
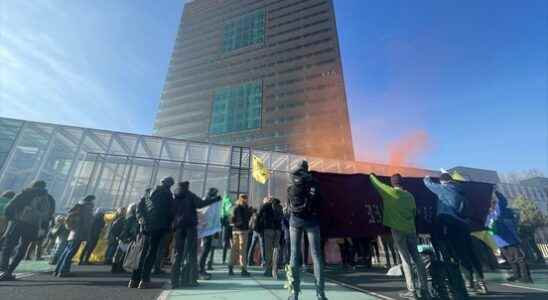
[237, 108]
[244, 31]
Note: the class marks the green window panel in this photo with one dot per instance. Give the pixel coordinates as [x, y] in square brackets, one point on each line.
[237, 108]
[244, 31]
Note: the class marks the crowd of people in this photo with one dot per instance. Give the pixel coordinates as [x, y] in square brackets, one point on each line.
[165, 224]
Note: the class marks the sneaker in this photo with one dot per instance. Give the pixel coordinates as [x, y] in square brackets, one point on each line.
[205, 275]
[143, 285]
[482, 288]
[408, 295]
[5, 276]
[133, 284]
[245, 273]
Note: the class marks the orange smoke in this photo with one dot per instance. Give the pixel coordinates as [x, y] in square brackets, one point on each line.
[406, 150]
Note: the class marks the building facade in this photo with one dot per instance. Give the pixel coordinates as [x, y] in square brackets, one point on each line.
[264, 74]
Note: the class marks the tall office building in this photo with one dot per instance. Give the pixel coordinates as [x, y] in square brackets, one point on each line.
[260, 73]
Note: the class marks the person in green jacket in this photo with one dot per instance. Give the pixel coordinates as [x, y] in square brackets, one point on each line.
[399, 212]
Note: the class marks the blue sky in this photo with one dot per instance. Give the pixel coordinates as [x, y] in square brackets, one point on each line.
[471, 75]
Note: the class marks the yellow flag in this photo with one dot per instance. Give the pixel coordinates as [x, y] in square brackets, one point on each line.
[260, 173]
[457, 176]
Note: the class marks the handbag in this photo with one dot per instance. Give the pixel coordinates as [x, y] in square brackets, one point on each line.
[134, 253]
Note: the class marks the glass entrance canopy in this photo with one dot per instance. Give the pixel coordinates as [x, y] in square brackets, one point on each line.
[117, 167]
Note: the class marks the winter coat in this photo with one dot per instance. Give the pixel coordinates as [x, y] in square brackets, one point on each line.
[156, 212]
[97, 226]
[450, 198]
[269, 217]
[116, 229]
[85, 220]
[185, 206]
[503, 223]
[27, 208]
[241, 216]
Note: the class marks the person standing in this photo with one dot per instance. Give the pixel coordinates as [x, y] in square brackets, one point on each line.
[256, 237]
[4, 200]
[29, 215]
[78, 221]
[399, 212]
[184, 271]
[155, 214]
[503, 223]
[97, 226]
[240, 223]
[455, 231]
[60, 233]
[269, 223]
[304, 205]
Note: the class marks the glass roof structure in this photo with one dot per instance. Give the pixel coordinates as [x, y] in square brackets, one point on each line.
[117, 167]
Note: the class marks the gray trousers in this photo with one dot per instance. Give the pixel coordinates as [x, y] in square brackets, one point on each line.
[406, 246]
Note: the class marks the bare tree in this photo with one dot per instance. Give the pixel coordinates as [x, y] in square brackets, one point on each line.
[517, 176]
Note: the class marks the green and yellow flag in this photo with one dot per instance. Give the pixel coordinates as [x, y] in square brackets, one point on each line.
[457, 176]
[260, 172]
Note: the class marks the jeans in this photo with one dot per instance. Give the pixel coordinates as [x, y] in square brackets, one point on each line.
[65, 261]
[58, 250]
[406, 245]
[313, 234]
[18, 235]
[205, 252]
[286, 248]
[148, 256]
[455, 242]
[516, 259]
[271, 240]
[239, 240]
[227, 238]
[160, 254]
[185, 265]
[257, 237]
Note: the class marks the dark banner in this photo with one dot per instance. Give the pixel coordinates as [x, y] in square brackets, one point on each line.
[351, 207]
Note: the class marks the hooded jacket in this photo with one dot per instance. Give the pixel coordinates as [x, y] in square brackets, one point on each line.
[503, 223]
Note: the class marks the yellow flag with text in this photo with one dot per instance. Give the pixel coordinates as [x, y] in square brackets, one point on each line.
[260, 173]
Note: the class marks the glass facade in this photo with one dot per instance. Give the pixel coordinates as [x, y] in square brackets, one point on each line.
[244, 31]
[236, 108]
[117, 167]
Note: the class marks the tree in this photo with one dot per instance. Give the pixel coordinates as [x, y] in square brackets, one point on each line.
[530, 218]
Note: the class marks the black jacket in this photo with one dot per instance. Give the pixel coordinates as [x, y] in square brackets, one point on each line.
[185, 206]
[15, 208]
[97, 226]
[269, 217]
[156, 212]
[241, 217]
[116, 229]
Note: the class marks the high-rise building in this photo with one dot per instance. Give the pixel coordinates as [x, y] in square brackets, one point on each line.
[260, 73]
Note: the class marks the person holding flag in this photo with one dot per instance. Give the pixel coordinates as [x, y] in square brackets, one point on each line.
[399, 215]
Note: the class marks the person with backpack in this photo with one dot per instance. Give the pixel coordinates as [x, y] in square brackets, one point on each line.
[502, 222]
[453, 231]
[240, 222]
[184, 271]
[29, 215]
[97, 226]
[304, 204]
[4, 200]
[399, 212]
[78, 221]
[155, 215]
[269, 225]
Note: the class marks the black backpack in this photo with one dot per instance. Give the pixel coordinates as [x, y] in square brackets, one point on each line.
[302, 195]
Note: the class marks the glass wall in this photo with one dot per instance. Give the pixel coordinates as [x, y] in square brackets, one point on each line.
[244, 31]
[237, 108]
[118, 167]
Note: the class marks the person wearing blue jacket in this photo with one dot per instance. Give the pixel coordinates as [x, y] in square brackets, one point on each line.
[503, 224]
[455, 231]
